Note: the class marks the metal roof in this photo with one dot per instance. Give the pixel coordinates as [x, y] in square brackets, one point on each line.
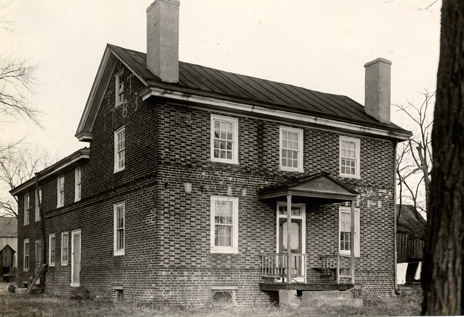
[210, 82]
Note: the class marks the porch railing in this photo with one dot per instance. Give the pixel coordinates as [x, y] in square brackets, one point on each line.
[342, 264]
[279, 265]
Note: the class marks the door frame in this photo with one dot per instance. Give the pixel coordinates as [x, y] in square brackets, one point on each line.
[303, 227]
[74, 233]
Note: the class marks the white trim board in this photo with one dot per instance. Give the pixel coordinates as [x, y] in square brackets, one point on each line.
[159, 92]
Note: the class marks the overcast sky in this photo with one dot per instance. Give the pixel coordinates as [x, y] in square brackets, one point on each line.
[317, 44]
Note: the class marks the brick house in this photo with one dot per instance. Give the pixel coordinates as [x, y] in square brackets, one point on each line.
[182, 196]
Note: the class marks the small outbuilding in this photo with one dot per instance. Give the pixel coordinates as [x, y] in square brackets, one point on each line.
[410, 234]
[7, 261]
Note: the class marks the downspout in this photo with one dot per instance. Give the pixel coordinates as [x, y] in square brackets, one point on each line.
[44, 235]
[397, 292]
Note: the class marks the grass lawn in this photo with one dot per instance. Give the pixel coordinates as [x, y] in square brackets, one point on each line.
[22, 305]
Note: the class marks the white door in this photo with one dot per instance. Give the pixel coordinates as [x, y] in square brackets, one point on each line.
[75, 258]
[38, 258]
[297, 232]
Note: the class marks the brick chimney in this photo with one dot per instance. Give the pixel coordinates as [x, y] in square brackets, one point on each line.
[163, 39]
[377, 90]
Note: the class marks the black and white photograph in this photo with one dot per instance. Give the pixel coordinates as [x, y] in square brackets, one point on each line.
[231, 158]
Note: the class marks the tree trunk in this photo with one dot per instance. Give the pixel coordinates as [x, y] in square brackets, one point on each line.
[441, 275]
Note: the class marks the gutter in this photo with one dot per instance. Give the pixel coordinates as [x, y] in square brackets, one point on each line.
[52, 170]
[397, 291]
[171, 94]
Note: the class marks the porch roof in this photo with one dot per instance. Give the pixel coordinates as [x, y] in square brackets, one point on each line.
[320, 185]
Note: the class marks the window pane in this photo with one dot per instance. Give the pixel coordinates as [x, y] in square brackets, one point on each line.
[223, 236]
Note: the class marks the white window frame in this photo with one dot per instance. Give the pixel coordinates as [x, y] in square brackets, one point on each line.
[116, 251]
[27, 208]
[77, 183]
[119, 88]
[223, 249]
[358, 157]
[116, 151]
[59, 193]
[235, 140]
[51, 248]
[357, 231]
[300, 168]
[26, 254]
[64, 248]
[38, 201]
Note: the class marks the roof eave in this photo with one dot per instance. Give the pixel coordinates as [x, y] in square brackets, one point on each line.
[76, 157]
[237, 106]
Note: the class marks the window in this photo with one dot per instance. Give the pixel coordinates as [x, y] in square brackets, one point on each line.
[26, 255]
[119, 88]
[64, 248]
[119, 149]
[52, 249]
[223, 295]
[27, 208]
[224, 139]
[119, 228]
[345, 231]
[350, 157]
[60, 192]
[77, 183]
[291, 149]
[224, 224]
[38, 202]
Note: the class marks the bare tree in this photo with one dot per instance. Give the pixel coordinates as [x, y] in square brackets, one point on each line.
[16, 83]
[414, 161]
[17, 166]
[442, 271]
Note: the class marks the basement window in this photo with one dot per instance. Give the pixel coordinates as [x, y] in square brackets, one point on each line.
[118, 293]
[223, 296]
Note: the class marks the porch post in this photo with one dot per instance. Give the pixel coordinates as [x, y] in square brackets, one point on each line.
[289, 252]
[352, 240]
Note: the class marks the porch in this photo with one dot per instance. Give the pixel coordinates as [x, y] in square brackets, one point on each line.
[287, 268]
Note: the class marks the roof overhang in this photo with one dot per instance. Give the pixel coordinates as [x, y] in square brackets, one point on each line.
[51, 171]
[236, 106]
[97, 93]
[320, 185]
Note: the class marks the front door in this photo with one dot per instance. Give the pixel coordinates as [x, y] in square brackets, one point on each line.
[38, 256]
[297, 232]
[75, 258]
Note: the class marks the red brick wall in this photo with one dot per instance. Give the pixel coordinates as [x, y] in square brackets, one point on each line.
[168, 257]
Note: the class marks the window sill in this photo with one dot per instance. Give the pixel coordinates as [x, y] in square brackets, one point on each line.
[118, 170]
[349, 176]
[119, 253]
[75, 284]
[224, 251]
[51, 265]
[64, 264]
[225, 161]
[287, 169]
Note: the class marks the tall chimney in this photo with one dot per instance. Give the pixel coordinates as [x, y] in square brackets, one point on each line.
[377, 90]
[163, 39]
